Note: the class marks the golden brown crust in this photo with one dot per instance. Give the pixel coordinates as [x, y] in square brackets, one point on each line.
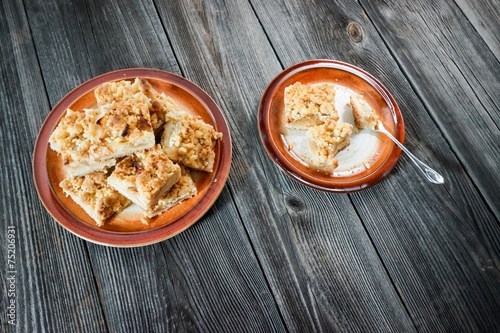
[161, 104]
[95, 196]
[190, 141]
[309, 104]
[145, 176]
[93, 136]
[185, 188]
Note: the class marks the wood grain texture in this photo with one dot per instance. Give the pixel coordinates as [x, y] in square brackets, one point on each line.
[54, 284]
[323, 270]
[271, 254]
[184, 284]
[455, 219]
[183, 290]
[484, 16]
[446, 53]
[459, 68]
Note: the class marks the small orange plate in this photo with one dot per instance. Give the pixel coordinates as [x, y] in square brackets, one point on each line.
[125, 229]
[358, 168]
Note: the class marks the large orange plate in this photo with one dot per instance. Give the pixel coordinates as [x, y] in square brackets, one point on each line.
[272, 130]
[126, 229]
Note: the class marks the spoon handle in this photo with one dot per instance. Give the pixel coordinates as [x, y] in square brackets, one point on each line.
[432, 175]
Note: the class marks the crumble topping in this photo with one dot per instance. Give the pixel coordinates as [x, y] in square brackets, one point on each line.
[309, 104]
[95, 196]
[185, 188]
[161, 104]
[190, 141]
[326, 140]
[127, 120]
[116, 91]
[144, 176]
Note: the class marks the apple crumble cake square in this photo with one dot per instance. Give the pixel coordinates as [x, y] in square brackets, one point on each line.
[91, 140]
[76, 140]
[92, 192]
[309, 104]
[145, 177]
[326, 140]
[184, 189]
[190, 141]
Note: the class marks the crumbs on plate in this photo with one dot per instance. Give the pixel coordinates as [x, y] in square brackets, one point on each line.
[311, 108]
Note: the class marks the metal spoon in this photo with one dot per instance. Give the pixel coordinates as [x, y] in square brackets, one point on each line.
[432, 175]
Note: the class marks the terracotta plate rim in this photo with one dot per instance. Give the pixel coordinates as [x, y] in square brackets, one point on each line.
[305, 178]
[138, 238]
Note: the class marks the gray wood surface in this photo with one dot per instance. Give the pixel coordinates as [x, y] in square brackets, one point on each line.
[394, 212]
[271, 254]
[447, 54]
[483, 15]
[124, 287]
[53, 271]
[316, 281]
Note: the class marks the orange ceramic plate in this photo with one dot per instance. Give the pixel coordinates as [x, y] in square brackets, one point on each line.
[126, 229]
[370, 157]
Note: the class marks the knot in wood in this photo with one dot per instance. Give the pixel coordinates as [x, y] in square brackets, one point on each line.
[355, 32]
[295, 204]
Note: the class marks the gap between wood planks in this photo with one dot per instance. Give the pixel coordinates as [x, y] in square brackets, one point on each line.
[231, 190]
[99, 296]
[266, 34]
[85, 243]
[427, 108]
[168, 38]
[384, 265]
[36, 55]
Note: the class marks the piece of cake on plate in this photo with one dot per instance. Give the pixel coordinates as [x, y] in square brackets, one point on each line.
[145, 177]
[92, 139]
[326, 140]
[184, 189]
[76, 140]
[161, 105]
[364, 115]
[309, 104]
[92, 192]
[190, 141]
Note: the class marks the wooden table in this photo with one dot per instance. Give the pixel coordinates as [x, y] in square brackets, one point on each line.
[271, 254]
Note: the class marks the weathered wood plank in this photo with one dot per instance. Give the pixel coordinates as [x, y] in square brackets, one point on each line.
[183, 290]
[206, 279]
[322, 272]
[446, 53]
[54, 286]
[484, 16]
[436, 251]
[319, 262]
